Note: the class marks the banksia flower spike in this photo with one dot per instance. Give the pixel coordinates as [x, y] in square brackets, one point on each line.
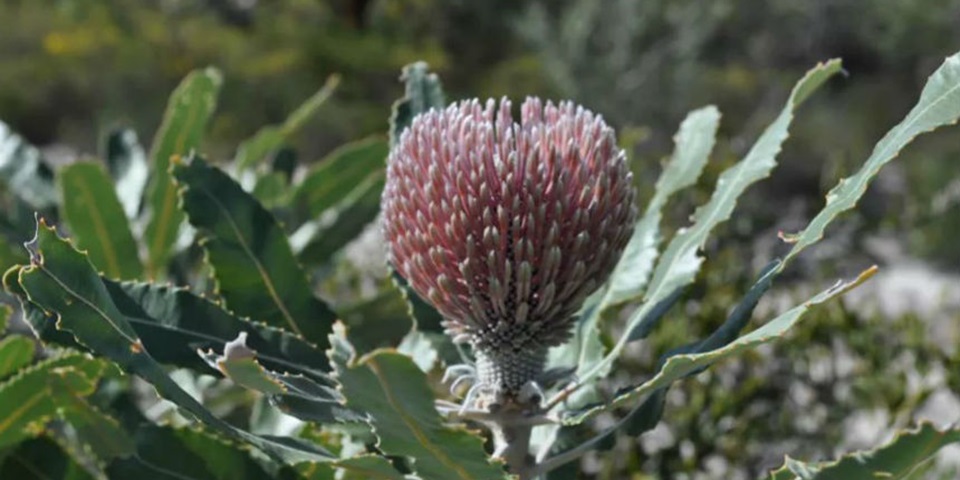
[506, 227]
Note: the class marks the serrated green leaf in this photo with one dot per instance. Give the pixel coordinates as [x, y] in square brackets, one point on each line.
[272, 137]
[340, 172]
[189, 109]
[939, 105]
[27, 399]
[680, 261]
[43, 324]
[127, 164]
[24, 171]
[16, 351]
[394, 392]
[96, 218]
[649, 414]
[198, 455]
[174, 323]
[295, 395]
[694, 142]
[422, 92]
[679, 366]
[62, 281]
[896, 460]
[316, 242]
[42, 459]
[95, 429]
[256, 271]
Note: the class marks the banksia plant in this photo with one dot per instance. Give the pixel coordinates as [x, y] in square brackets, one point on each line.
[517, 238]
[505, 227]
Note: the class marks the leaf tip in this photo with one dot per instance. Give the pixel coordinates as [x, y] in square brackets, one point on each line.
[788, 237]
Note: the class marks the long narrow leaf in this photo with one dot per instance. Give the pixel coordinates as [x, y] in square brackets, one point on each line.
[174, 323]
[694, 142]
[897, 460]
[272, 137]
[332, 179]
[61, 280]
[189, 109]
[97, 220]
[680, 262]
[939, 105]
[27, 400]
[255, 269]
[681, 365]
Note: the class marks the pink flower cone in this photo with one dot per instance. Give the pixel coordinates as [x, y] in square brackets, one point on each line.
[506, 227]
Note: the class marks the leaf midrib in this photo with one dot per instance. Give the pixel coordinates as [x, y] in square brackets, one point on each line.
[423, 440]
[268, 282]
[86, 302]
[24, 407]
[169, 194]
[106, 242]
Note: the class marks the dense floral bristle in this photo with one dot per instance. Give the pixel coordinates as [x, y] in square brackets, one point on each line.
[506, 227]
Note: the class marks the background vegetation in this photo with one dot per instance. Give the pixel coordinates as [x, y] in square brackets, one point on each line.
[71, 71]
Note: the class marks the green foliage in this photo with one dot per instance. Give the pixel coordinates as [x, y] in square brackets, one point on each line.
[16, 352]
[268, 139]
[393, 391]
[268, 337]
[96, 219]
[333, 178]
[255, 269]
[39, 393]
[174, 323]
[679, 264]
[898, 459]
[939, 105]
[694, 142]
[61, 279]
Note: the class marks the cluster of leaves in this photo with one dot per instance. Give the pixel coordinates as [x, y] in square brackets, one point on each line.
[264, 233]
[843, 381]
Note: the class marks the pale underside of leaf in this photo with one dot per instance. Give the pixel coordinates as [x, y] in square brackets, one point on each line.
[680, 262]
